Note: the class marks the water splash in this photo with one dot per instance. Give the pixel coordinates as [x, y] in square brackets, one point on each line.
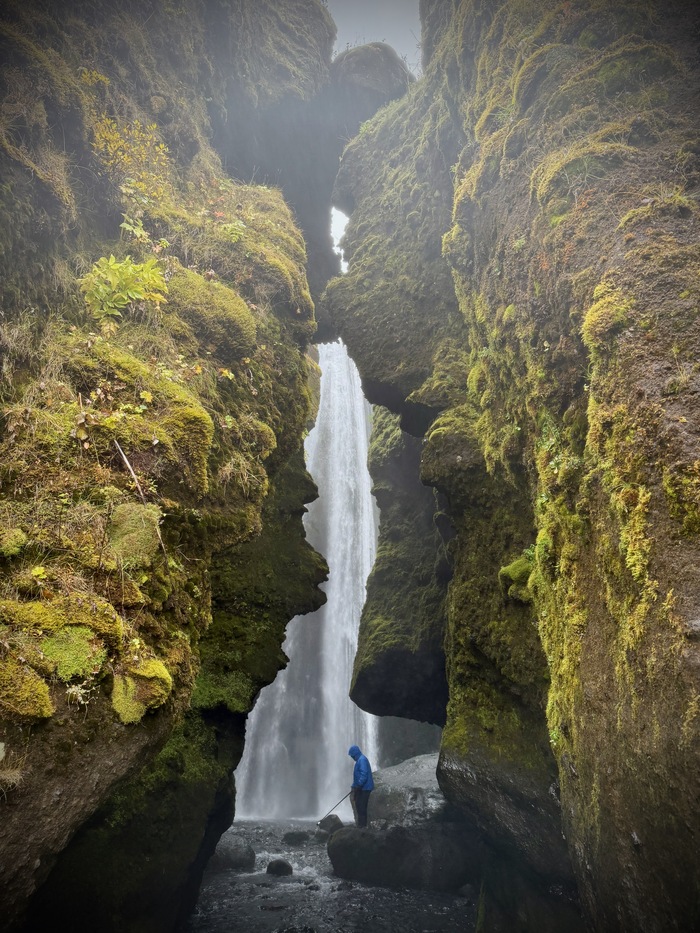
[295, 763]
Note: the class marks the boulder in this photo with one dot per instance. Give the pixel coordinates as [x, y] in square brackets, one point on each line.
[232, 854]
[435, 857]
[296, 837]
[279, 867]
[329, 824]
[408, 794]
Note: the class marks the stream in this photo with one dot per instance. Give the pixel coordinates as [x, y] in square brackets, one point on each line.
[313, 899]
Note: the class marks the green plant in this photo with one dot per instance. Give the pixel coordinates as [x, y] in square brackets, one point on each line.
[112, 286]
[133, 156]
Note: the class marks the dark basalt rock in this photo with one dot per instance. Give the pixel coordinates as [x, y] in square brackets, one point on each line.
[279, 867]
[330, 824]
[297, 837]
[232, 854]
[440, 857]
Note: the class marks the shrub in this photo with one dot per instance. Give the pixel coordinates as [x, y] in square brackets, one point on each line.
[111, 286]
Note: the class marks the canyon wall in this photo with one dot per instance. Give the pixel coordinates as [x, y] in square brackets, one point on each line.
[523, 293]
[155, 392]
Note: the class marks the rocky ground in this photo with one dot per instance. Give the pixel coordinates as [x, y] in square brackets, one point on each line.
[313, 899]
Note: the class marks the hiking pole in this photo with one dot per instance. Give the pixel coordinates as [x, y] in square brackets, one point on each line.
[337, 805]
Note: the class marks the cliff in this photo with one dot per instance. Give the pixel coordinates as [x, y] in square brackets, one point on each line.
[523, 292]
[522, 299]
[155, 394]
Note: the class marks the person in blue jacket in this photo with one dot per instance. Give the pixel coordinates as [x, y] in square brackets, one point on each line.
[362, 785]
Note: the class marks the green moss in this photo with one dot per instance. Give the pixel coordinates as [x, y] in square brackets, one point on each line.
[146, 687]
[126, 700]
[74, 652]
[578, 166]
[51, 616]
[12, 542]
[133, 533]
[219, 317]
[192, 431]
[609, 314]
[23, 693]
[234, 690]
[683, 495]
[514, 577]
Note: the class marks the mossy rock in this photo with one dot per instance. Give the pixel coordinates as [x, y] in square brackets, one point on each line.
[515, 576]
[147, 686]
[23, 693]
[50, 616]
[192, 431]
[219, 317]
[607, 316]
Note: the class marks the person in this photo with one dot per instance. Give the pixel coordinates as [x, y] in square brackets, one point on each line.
[362, 785]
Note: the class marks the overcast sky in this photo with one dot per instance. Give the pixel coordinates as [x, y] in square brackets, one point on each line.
[393, 21]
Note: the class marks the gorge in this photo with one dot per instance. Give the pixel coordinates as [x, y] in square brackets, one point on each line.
[521, 302]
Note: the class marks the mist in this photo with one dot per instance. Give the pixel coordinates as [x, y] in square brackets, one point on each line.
[395, 22]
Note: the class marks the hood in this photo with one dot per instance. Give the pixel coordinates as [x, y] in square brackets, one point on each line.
[354, 752]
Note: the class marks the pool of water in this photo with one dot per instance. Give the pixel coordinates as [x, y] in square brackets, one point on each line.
[313, 899]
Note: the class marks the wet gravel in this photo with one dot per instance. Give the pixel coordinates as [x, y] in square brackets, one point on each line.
[313, 899]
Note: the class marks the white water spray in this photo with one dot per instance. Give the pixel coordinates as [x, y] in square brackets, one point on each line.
[295, 762]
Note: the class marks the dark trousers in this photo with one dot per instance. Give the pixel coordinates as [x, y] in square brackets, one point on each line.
[360, 799]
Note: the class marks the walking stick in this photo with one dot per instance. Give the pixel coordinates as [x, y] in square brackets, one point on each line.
[333, 808]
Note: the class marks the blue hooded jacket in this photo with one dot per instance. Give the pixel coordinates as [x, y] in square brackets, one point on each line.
[362, 773]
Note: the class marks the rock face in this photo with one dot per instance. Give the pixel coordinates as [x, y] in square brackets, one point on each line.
[522, 292]
[154, 400]
[400, 663]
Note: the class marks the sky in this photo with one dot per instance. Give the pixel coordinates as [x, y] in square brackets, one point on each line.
[395, 22]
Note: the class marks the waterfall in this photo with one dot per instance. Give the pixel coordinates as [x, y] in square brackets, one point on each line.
[295, 762]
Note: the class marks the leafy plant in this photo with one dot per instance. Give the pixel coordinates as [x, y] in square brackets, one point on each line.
[133, 156]
[112, 286]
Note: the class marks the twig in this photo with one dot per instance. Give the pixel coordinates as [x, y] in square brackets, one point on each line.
[131, 470]
[140, 491]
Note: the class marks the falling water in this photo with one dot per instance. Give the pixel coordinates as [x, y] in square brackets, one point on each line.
[295, 762]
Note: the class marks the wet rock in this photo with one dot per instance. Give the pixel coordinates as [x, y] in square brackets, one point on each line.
[329, 824]
[435, 857]
[279, 867]
[408, 794]
[297, 837]
[232, 854]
